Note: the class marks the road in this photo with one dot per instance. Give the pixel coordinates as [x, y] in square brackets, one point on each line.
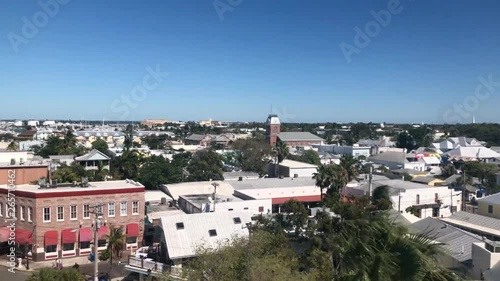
[17, 276]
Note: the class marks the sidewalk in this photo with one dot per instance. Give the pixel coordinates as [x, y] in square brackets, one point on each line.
[116, 272]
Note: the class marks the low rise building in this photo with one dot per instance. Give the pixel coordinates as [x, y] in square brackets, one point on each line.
[489, 206]
[54, 222]
[290, 168]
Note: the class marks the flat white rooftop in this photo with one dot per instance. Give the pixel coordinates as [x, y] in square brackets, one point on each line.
[101, 185]
[296, 164]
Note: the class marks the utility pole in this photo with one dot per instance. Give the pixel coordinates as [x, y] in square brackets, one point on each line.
[97, 224]
[370, 176]
[399, 200]
[451, 204]
[215, 185]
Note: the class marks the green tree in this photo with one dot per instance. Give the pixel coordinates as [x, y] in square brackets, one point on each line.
[252, 155]
[116, 241]
[100, 145]
[154, 172]
[381, 199]
[351, 166]
[263, 257]
[323, 178]
[406, 141]
[280, 152]
[54, 274]
[205, 165]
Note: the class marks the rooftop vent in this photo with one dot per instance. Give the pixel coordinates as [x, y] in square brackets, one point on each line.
[179, 225]
[212, 232]
[237, 220]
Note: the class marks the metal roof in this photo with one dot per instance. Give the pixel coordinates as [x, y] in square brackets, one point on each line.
[185, 242]
[298, 136]
[475, 219]
[458, 243]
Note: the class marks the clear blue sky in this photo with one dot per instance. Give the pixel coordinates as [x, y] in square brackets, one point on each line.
[281, 52]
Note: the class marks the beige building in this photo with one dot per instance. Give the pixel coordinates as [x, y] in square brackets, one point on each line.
[153, 122]
[490, 206]
[57, 222]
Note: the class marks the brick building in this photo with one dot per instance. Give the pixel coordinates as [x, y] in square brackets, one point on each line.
[25, 174]
[57, 222]
[292, 139]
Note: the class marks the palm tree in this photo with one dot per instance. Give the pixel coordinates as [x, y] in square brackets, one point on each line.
[351, 166]
[13, 146]
[116, 242]
[281, 152]
[323, 178]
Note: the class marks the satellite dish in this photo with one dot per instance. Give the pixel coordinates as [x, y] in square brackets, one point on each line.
[210, 199]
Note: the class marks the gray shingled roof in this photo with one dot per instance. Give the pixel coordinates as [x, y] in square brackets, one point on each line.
[196, 137]
[455, 239]
[298, 136]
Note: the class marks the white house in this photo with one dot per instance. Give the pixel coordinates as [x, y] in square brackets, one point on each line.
[428, 201]
[398, 160]
[347, 150]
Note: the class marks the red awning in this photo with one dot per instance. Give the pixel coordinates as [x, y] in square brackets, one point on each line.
[132, 230]
[51, 238]
[310, 198]
[68, 236]
[24, 236]
[86, 234]
[103, 231]
[4, 234]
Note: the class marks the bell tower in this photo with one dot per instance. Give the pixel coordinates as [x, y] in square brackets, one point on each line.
[273, 125]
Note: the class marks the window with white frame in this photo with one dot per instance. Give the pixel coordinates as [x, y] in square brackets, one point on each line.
[123, 208]
[21, 215]
[111, 209]
[72, 212]
[60, 213]
[46, 214]
[86, 211]
[135, 207]
[30, 214]
[1, 209]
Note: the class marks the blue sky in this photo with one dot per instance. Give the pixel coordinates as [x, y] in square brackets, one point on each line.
[90, 55]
